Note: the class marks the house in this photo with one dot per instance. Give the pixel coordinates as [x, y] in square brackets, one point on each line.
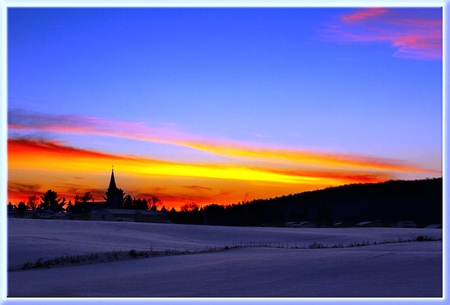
[44, 214]
[338, 225]
[61, 215]
[291, 224]
[30, 214]
[13, 213]
[405, 224]
[129, 215]
[151, 216]
[434, 226]
[303, 224]
[368, 224]
[306, 224]
[22, 214]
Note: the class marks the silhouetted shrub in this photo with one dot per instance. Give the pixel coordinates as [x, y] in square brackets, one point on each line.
[133, 253]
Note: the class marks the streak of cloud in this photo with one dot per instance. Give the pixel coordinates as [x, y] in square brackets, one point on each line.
[19, 120]
[53, 156]
[74, 124]
[16, 188]
[306, 158]
[414, 36]
[18, 148]
[363, 14]
[197, 188]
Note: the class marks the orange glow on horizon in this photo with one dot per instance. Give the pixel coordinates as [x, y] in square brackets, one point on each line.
[173, 182]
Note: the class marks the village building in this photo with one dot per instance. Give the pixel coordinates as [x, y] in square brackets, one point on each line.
[339, 224]
[405, 224]
[62, 215]
[369, 224]
[434, 226]
[44, 214]
[128, 215]
[303, 224]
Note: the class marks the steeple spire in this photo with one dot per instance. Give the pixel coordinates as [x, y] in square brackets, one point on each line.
[114, 196]
[112, 182]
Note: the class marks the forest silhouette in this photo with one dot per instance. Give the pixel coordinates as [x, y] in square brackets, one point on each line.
[384, 203]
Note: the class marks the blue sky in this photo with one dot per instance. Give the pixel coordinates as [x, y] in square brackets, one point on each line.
[364, 83]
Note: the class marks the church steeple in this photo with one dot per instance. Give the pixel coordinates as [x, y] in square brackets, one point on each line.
[112, 182]
[114, 196]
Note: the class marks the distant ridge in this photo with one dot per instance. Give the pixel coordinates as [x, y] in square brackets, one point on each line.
[386, 202]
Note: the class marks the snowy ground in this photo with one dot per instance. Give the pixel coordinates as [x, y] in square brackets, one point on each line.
[280, 262]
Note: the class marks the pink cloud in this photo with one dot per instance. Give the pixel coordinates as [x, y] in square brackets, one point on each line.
[20, 120]
[363, 14]
[415, 22]
[415, 36]
[418, 46]
[25, 120]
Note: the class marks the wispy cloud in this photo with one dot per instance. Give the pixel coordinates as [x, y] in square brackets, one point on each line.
[73, 124]
[363, 14]
[198, 188]
[414, 35]
[305, 158]
[19, 120]
[56, 156]
[16, 188]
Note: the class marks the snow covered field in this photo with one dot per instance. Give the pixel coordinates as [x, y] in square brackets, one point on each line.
[222, 261]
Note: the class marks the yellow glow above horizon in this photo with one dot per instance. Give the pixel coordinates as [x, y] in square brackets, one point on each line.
[63, 161]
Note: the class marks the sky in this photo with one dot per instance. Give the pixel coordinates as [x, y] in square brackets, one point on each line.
[221, 105]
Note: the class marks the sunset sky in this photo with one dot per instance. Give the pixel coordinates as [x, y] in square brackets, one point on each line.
[221, 105]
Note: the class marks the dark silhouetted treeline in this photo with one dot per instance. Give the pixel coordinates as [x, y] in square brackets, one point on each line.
[387, 203]
[82, 205]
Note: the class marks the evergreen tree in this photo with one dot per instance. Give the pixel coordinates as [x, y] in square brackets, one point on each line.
[11, 207]
[21, 208]
[128, 202]
[51, 201]
[70, 207]
[140, 204]
[63, 203]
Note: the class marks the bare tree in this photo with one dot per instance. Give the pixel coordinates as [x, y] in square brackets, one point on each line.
[188, 207]
[154, 203]
[86, 197]
[32, 202]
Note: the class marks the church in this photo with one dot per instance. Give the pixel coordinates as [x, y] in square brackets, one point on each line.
[111, 209]
[114, 195]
